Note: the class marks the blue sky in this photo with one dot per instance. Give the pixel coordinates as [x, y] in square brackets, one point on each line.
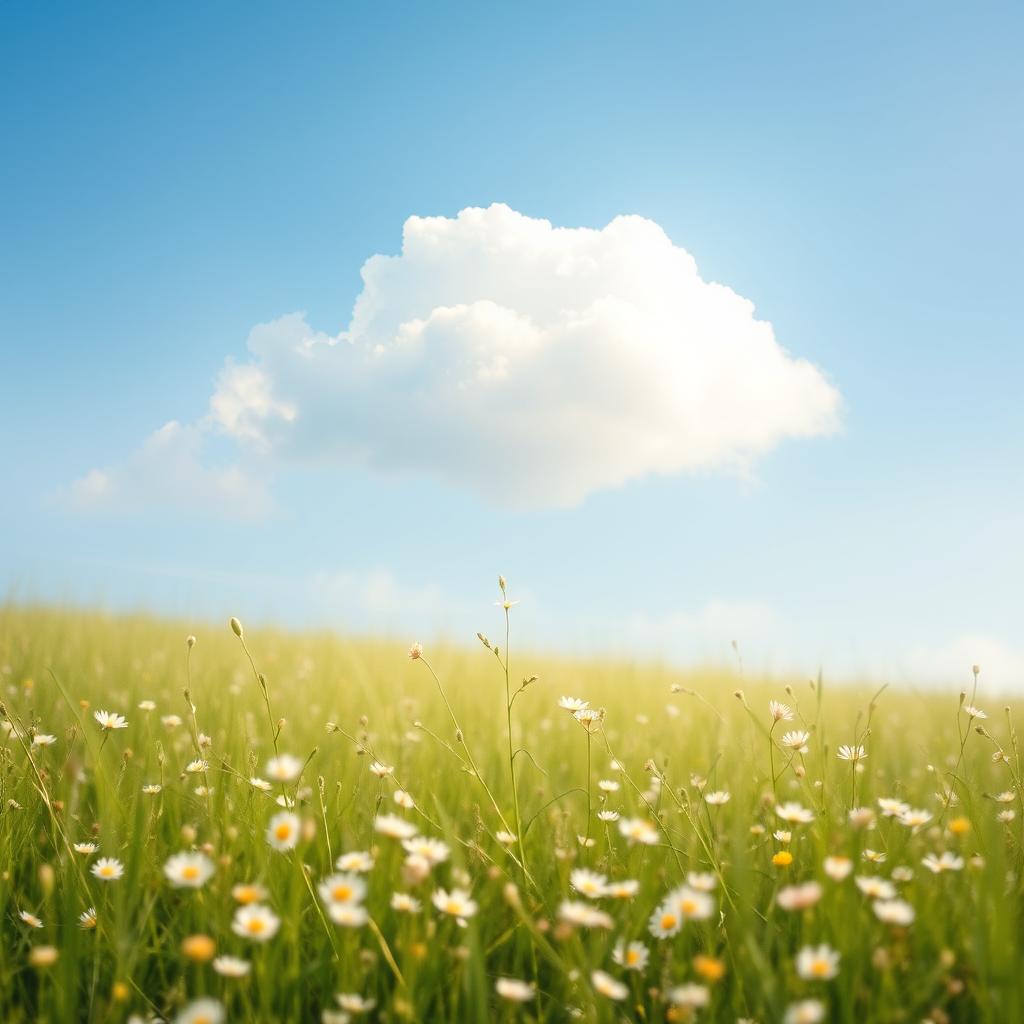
[175, 175]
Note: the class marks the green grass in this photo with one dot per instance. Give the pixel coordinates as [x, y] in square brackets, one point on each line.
[958, 961]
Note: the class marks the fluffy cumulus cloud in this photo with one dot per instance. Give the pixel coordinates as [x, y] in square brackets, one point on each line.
[532, 364]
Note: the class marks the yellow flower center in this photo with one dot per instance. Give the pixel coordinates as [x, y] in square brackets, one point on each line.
[668, 921]
[341, 893]
[632, 957]
[190, 872]
[688, 906]
[819, 968]
[255, 925]
[283, 831]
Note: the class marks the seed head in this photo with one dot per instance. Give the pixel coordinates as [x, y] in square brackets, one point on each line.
[236, 628]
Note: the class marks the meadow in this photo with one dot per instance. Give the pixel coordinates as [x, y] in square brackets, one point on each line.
[205, 823]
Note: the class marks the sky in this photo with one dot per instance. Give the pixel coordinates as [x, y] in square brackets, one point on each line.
[699, 322]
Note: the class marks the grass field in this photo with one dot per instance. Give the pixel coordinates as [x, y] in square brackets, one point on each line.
[334, 833]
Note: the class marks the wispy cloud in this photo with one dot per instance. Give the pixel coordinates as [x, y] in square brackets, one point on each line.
[171, 470]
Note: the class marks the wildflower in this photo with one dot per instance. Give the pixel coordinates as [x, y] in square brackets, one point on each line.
[42, 739]
[86, 848]
[199, 948]
[403, 799]
[202, 1011]
[283, 831]
[946, 861]
[416, 652]
[151, 788]
[693, 905]
[807, 1011]
[357, 860]
[147, 705]
[1006, 797]
[1006, 816]
[110, 720]
[348, 915]
[782, 859]
[393, 826]
[197, 766]
[689, 995]
[606, 985]
[960, 826]
[588, 883]
[255, 921]
[248, 892]
[189, 870]
[633, 957]
[874, 856]
[876, 888]
[343, 888]
[457, 903]
[716, 798]
[780, 712]
[284, 768]
[514, 990]
[622, 890]
[914, 818]
[838, 868]
[404, 903]
[894, 911]
[892, 808]
[583, 914]
[861, 817]
[415, 869]
[637, 830]
[87, 919]
[794, 812]
[972, 712]
[710, 968]
[573, 704]
[505, 838]
[798, 897]
[665, 922]
[902, 874]
[851, 753]
[170, 721]
[108, 869]
[796, 740]
[606, 816]
[261, 784]
[431, 850]
[355, 1003]
[30, 919]
[43, 956]
[783, 835]
[382, 771]
[817, 963]
[589, 718]
[232, 966]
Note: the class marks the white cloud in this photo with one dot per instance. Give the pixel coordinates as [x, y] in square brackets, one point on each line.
[532, 364]
[1002, 667]
[169, 471]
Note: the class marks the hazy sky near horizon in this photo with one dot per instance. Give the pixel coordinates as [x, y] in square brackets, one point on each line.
[700, 323]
